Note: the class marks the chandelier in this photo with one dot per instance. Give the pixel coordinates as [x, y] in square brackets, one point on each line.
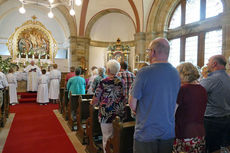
[50, 4]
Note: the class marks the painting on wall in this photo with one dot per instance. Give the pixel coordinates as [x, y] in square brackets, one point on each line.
[33, 42]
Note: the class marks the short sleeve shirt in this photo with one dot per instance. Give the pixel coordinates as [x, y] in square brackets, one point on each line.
[156, 88]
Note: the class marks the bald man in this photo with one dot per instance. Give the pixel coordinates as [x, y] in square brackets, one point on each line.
[217, 114]
[33, 73]
[153, 98]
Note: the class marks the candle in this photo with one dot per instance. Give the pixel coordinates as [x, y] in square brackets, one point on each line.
[33, 56]
[26, 57]
[46, 56]
[39, 56]
[19, 56]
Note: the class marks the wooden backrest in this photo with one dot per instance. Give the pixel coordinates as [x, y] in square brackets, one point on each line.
[74, 101]
[83, 109]
[122, 140]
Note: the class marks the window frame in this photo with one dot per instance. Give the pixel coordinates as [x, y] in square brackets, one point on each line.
[198, 28]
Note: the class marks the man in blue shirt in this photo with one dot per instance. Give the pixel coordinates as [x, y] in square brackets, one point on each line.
[153, 98]
[217, 114]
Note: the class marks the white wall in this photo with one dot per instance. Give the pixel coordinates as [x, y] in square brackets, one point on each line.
[97, 56]
[112, 26]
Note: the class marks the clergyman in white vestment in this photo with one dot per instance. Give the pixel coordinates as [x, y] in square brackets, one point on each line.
[42, 95]
[33, 73]
[12, 82]
[55, 78]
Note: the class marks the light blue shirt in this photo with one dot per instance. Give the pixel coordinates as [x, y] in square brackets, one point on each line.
[76, 85]
[217, 85]
[156, 88]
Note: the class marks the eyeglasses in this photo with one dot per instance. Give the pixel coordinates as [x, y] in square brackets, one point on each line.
[148, 50]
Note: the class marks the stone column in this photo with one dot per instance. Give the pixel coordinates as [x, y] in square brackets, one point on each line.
[72, 49]
[140, 45]
[79, 48]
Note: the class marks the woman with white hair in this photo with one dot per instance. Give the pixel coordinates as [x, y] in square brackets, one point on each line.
[110, 95]
[101, 75]
[91, 79]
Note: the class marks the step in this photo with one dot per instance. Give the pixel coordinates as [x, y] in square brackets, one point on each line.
[27, 100]
[27, 95]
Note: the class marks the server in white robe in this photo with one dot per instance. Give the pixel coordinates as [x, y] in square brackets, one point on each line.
[33, 73]
[42, 94]
[54, 86]
[12, 82]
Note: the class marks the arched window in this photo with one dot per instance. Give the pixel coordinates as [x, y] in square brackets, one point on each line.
[176, 18]
[191, 34]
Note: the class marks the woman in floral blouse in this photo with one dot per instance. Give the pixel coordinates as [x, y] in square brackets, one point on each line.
[110, 97]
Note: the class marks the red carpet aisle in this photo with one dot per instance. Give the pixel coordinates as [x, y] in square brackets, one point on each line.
[35, 129]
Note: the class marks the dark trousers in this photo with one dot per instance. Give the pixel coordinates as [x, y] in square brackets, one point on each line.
[217, 131]
[156, 146]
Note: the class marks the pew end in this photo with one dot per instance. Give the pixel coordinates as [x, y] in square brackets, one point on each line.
[93, 132]
[72, 111]
[82, 116]
[122, 139]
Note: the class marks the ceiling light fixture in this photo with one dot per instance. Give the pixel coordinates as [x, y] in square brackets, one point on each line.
[50, 4]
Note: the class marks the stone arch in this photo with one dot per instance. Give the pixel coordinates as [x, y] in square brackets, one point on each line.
[160, 14]
[70, 20]
[102, 13]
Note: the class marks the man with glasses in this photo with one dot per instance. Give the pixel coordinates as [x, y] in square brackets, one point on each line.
[153, 98]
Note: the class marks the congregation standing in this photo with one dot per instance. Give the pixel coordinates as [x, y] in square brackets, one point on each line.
[175, 109]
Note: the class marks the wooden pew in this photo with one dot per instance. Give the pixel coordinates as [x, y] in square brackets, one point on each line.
[72, 111]
[122, 140]
[93, 132]
[5, 109]
[61, 97]
[65, 102]
[82, 116]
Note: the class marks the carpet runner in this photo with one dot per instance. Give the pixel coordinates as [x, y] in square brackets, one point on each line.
[36, 129]
[26, 97]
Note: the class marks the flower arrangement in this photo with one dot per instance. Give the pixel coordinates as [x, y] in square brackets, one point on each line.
[6, 64]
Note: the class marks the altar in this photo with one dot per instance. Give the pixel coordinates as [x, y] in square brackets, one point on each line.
[32, 41]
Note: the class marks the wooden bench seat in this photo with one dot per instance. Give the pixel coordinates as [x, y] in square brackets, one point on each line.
[82, 116]
[122, 140]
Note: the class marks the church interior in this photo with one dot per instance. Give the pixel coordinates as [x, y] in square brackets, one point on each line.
[87, 33]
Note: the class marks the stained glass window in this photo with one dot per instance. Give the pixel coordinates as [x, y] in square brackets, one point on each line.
[213, 8]
[191, 48]
[212, 46]
[174, 54]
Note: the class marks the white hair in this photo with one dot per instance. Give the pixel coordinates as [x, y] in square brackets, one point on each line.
[95, 72]
[113, 66]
